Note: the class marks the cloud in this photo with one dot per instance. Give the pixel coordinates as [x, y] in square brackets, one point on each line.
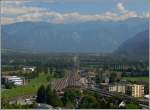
[8, 3]
[22, 2]
[121, 8]
[56, 17]
[128, 14]
[26, 13]
[6, 20]
[21, 10]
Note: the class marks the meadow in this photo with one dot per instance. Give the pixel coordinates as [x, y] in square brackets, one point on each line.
[141, 78]
[28, 89]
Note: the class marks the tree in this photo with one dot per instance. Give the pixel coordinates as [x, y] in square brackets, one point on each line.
[49, 94]
[55, 100]
[99, 76]
[41, 94]
[48, 77]
[9, 85]
[113, 77]
[146, 87]
[88, 102]
[69, 105]
[71, 95]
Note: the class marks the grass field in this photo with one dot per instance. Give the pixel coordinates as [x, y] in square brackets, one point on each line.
[137, 78]
[30, 88]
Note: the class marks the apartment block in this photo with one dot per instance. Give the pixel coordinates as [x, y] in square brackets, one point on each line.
[135, 90]
[117, 88]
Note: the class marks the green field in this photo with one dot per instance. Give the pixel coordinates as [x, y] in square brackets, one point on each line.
[137, 78]
[28, 89]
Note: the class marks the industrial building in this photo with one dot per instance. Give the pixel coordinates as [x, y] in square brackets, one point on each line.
[18, 81]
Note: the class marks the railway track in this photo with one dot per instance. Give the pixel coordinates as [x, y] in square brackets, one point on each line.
[71, 80]
[142, 103]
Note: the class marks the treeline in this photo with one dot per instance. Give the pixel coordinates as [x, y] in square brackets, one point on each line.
[65, 61]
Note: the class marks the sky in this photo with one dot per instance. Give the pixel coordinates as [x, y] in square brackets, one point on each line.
[70, 11]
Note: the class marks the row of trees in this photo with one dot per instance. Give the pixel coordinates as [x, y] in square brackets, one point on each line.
[111, 75]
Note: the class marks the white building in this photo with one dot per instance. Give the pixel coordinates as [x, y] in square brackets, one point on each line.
[117, 88]
[83, 81]
[146, 96]
[112, 88]
[18, 81]
[122, 104]
[29, 69]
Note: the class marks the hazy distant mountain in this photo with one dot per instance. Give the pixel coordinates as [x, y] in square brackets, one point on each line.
[99, 36]
[138, 46]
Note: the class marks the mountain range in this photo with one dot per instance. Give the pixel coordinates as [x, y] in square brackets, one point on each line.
[98, 36]
[137, 46]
